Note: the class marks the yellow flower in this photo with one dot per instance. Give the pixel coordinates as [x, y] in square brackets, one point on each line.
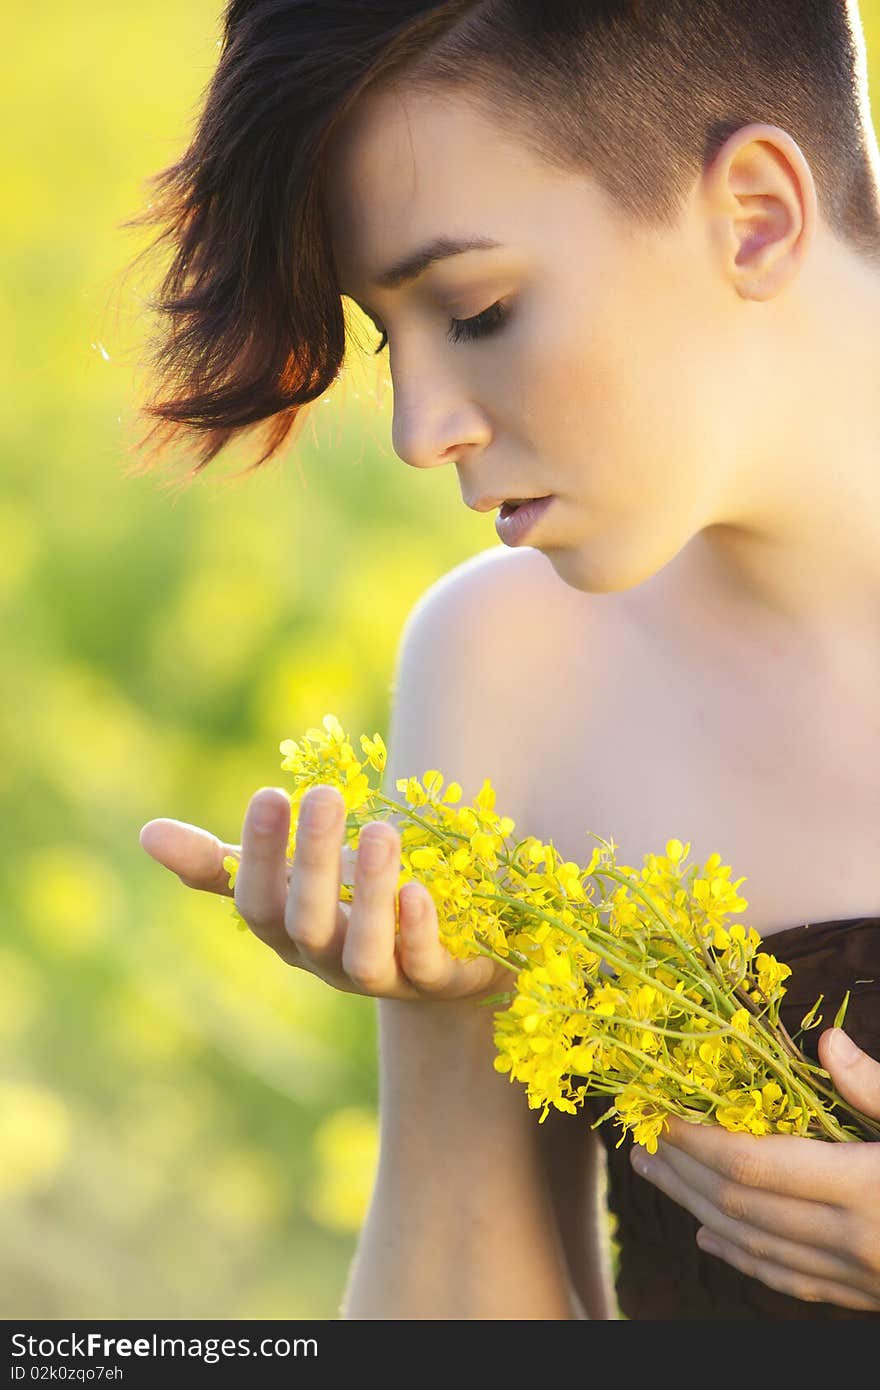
[375, 750]
[642, 1116]
[639, 990]
[744, 1113]
[606, 1000]
[771, 973]
[231, 865]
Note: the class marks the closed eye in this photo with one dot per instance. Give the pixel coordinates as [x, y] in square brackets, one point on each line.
[465, 330]
[481, 325]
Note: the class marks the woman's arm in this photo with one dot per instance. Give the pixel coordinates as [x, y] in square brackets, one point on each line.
[476, 1204]
[461, 1224]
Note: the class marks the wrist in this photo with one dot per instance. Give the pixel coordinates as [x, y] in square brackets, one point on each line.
[437, 1070]
[407, 1026]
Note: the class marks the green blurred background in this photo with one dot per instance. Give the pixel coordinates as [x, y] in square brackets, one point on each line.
[187, 1126]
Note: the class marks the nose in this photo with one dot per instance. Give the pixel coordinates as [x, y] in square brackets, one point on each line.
[435, 423]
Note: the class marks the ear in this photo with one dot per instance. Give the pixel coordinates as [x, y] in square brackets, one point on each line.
[761, 201]
[854, 1073]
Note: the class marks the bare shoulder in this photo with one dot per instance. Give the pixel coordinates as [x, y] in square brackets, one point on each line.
[484, 660]
[494, 585]
[506, 614]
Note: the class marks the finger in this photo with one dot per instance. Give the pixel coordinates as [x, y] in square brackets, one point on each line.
[808, 1287]
[261, 882]
[368, 956]
[784, 1163]
[766, 1248]
[855, 1074]
[811, 1223]
[314, 919]
[424, 958]
[759, 1241]
[195, 855]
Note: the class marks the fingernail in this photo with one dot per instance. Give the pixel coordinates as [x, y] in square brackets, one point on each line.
[318, 812]
[416, 907]
[843, 1049]
[374, 850]
[266, 815]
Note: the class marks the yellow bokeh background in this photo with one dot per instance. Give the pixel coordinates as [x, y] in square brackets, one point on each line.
[187, 1126]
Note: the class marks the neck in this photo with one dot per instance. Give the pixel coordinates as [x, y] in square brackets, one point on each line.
[794, 545]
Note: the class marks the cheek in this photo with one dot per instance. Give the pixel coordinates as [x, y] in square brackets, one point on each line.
[608, 414]
[618, 424]
[651, 421]
[553, 385]
[616, 395]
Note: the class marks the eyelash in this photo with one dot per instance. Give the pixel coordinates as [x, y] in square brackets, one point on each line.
[465, 330]
[481, 325]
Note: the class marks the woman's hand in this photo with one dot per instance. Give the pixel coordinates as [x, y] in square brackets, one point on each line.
[801, 1215]
[296, 910]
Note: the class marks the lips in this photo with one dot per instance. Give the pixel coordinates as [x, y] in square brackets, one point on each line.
[515, 524]
[514, 503]
[487, 502]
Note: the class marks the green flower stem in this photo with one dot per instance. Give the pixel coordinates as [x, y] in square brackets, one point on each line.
[431, 826]
[797, 1053]
[683, 945]
[814, 1111]
[715, 969]
[801, 1063]
[597, 945]
[667, 1071]
[776, 1064]
[648, 1059]
[648, 1027]
[639, 892]
[493, 999]
[699, 977]
[499, 960]
[720, 994]
[870, 1127]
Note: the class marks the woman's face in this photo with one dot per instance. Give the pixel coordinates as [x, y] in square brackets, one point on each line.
[598, 363]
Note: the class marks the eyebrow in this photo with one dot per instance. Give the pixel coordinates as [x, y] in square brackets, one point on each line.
[415, 264]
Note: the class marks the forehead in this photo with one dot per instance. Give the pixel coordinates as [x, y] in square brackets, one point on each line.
[405, 166]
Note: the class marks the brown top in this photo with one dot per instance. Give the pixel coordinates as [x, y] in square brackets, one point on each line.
[663, 1274]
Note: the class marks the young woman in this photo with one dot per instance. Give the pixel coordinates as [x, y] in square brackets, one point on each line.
[626, 259]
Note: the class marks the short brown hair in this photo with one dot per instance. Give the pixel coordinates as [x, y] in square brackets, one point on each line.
[639, 94]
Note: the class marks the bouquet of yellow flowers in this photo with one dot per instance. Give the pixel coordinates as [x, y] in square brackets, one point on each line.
[637, 991]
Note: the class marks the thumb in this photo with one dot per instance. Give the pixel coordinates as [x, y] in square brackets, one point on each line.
[854, 1073]
[194, 854]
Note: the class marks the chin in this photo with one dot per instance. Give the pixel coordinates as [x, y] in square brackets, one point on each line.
[597, 566]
